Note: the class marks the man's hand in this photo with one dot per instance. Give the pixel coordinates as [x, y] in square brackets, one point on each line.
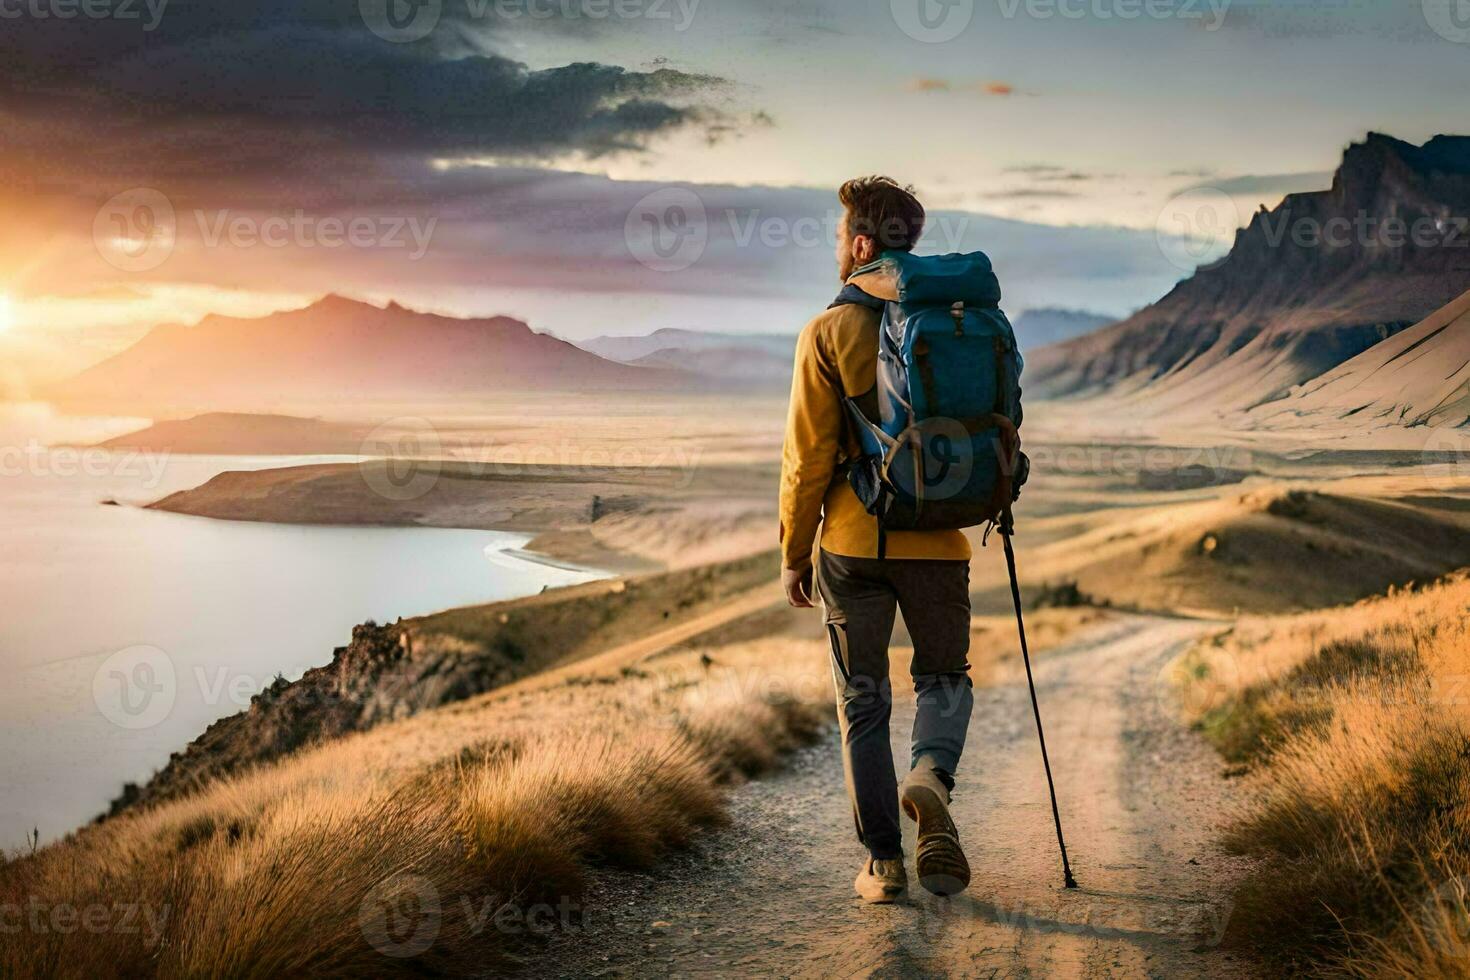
[798, 585]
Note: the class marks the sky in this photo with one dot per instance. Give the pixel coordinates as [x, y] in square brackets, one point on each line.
[617, 166]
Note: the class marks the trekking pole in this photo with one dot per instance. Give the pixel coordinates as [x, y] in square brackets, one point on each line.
[1007, 528]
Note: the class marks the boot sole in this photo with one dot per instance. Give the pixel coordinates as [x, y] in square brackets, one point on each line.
[888, 897]
[942, 867]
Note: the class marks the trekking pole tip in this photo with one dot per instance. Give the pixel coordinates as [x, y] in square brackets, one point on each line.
[1071, 882]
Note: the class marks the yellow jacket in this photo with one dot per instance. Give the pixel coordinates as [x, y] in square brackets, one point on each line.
[836, 356]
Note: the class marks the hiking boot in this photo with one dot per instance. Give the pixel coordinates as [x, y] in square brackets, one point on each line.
[943, 869]
[881, 882]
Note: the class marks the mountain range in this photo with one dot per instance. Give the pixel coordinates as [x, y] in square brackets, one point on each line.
[1307, 286]
[733, 359]
[1046, 325]
[1345, 306]
[341, 351]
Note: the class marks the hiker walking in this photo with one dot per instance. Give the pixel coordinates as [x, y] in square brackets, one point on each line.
[902, 429]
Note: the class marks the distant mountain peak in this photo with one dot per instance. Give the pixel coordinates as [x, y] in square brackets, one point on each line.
[341, 350]
[1306, 286]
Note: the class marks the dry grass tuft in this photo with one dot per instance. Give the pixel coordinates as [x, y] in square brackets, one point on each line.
[1355, 725]
[401, 850]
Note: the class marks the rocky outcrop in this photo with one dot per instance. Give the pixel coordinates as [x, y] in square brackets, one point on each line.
[1307, 286]
[394, 671]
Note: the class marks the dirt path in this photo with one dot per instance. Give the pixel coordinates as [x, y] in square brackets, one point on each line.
[1141, 798]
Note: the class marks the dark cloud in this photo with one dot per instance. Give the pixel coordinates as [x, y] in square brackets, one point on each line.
[1267, 184]
[280, 88]
[1035, 169]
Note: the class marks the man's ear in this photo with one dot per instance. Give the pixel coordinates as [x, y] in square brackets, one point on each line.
[864, 249]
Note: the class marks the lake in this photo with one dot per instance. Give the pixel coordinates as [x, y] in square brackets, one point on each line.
[124, 632]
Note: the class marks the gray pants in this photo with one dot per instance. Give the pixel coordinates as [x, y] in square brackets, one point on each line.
[860, 596]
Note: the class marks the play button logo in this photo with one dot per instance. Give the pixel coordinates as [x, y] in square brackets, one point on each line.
[401, 21]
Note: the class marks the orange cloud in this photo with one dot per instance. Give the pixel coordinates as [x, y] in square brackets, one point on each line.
[928, 85]
[925, 83]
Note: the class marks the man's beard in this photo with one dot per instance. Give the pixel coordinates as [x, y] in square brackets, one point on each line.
[845, 267]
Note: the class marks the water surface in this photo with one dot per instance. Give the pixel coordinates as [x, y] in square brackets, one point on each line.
[124, 632]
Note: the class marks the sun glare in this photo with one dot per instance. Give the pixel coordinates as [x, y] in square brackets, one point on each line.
[7, 313]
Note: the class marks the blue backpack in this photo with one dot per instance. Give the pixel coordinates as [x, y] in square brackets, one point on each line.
[939, 431]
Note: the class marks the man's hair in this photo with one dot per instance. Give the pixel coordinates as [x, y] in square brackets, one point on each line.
[884, 209]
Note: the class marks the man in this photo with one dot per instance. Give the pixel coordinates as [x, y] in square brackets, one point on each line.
[923, 573]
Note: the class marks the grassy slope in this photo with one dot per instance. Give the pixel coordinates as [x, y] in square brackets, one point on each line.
[1248, 551]
[393, 671]
[1354, 729]
[437, 830]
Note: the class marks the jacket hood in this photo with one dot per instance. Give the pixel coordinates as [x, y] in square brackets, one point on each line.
[881, 283]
